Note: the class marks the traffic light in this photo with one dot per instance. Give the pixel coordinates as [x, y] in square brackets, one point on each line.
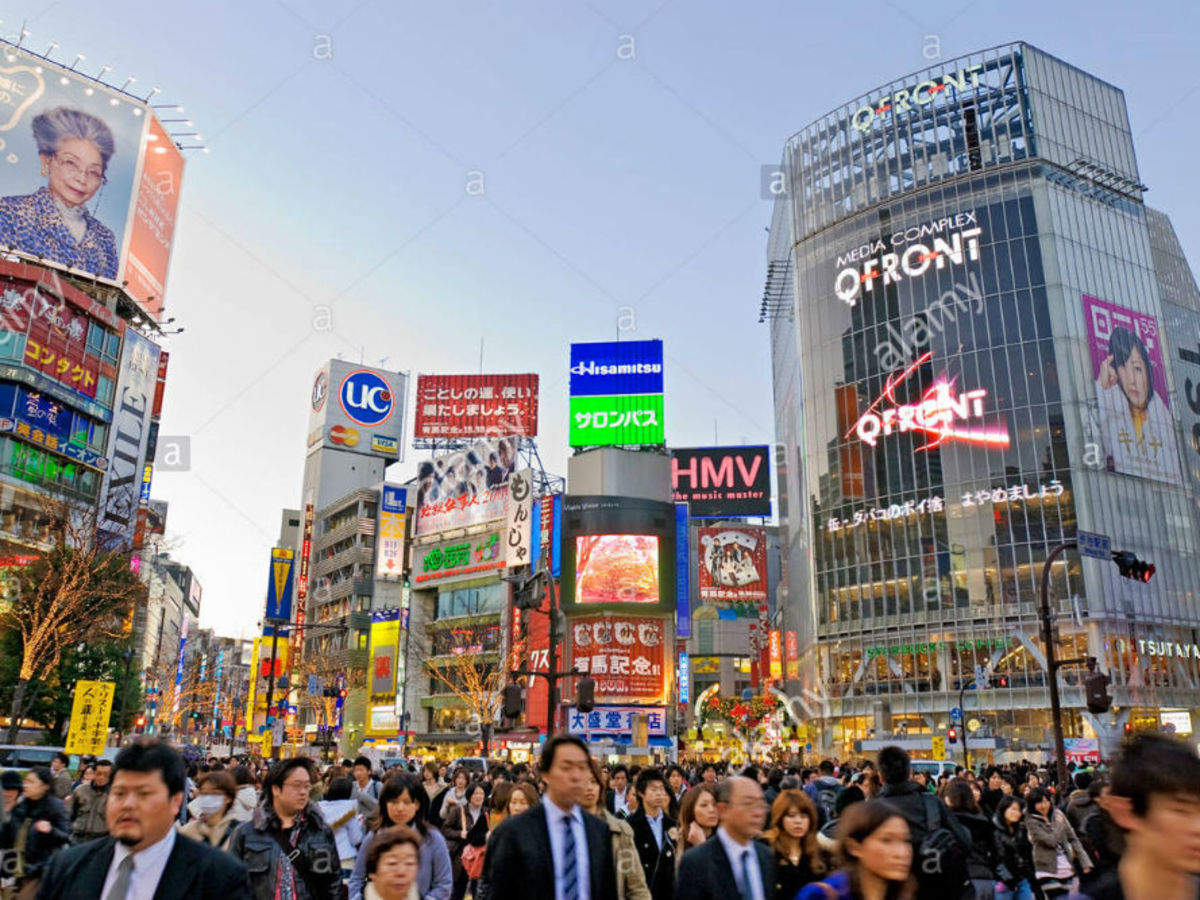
[952, 735]
[1095, 686]
[1128, 729]
[1131, 567]
[585, 701]
[140, 723]
[528, 590]
[514, 701]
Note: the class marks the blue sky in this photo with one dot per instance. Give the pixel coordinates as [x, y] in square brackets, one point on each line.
[620, 146]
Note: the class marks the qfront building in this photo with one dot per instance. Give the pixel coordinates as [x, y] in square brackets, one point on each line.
[984, 344]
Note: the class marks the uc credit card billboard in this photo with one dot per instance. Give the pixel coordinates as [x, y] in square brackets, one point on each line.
[89, 180]
[357, 409]
[616, 393]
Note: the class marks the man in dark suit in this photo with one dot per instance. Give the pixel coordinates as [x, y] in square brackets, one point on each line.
[652, 830]
[143, 856]
[614, 799]
[731, 865]
[554, 851]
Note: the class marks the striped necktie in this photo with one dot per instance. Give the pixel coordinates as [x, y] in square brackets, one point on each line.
[570, 873]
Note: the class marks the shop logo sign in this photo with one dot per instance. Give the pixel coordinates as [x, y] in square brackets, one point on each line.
[366, 398]
[921, 94]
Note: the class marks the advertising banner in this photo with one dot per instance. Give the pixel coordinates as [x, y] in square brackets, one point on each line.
[616, 568]
[302, 574]
[732, 568]
[457, 559]
[722, 482]
[474, 406]
[121, 491]
[385, 631]
[357, 409]
[518, 532]
[623, 653]
[280, 585]
[616, 393]
[70, 187]
[684, 675]
[1082, 751]
[466, 488]
[792, 655]
[683, 566]
[620, 419]
[1133, 409]
[775, 654]
[389, 534]
[1182, 328]
[616, 721]
[90, 711]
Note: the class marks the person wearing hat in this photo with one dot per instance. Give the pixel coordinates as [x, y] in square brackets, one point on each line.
[10, 787]
[35, 829]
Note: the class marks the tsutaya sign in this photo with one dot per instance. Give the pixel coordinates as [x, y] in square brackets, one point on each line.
[920, 94]
[938, 414]
[955, 239]
[1176, 649]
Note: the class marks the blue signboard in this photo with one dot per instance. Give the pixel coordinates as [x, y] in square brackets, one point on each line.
[685, 677]
[556, 537]
[280, 583]
[394, 498]
[683, 604]
[612, 368]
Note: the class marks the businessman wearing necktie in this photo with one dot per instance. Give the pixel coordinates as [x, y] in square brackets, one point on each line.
[554, 851]
[731, 865]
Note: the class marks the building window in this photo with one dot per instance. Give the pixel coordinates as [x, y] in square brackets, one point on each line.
[472, 601]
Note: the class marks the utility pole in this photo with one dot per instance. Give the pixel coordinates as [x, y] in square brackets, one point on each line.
[1053, 665]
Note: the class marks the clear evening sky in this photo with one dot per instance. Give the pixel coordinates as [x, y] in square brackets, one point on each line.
[620, 146]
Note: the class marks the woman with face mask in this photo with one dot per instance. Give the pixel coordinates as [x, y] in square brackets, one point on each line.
[212, 819]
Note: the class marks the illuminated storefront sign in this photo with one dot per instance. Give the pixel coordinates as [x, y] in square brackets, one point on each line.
[934, 504]
[920, 94]
[936, 416]
[456, 559]
[955, 240]
[997, 643]
[1170, 649]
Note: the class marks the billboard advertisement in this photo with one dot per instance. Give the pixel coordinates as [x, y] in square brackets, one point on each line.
[357, 409]
[616, 393]
[1182, 328]
[385, 633]
[616, 722]
[732, 568]
[518, 532]
[1133, 409]
[722, 482]
[618, 553]
[468, 487]
[71, 186]
[624, 654]
[457, 559]
[683, 573]
[280, 585]
[121, 491]
[474, 406]
[616, 568]
[389, 534]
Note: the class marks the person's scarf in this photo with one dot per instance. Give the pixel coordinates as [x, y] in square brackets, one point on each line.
[285, 869]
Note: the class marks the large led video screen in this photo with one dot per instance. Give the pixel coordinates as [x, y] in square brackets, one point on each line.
[616, 568]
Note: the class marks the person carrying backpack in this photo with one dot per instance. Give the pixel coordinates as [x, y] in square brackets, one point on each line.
[823, 791]
[940, 844]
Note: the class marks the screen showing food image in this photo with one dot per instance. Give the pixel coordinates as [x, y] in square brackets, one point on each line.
[616, 568]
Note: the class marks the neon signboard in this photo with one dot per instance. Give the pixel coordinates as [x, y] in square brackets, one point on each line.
[921, 94]
[942, 415]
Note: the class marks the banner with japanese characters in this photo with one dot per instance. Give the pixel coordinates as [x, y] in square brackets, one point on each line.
[90, 711]
[468, 487]
[518, 533]
[624, 654]
[732, 566]
[472, 406]
[616, 721]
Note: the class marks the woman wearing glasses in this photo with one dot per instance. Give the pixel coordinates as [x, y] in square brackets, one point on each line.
[53, 221]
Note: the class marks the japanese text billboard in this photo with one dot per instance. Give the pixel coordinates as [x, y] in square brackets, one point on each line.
[616, 721]
[1133, 409]
[624, 654]
[389, 536]
[720, 482]
[472, 406]
[732, 568]
[616, 568]
[385, 633]
[89, 181]
[457, 559]
[469, 487]
[616, 394]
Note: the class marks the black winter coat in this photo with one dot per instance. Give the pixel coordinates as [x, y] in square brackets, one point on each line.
[318, 863]
[1015, 853]
[982, 858]
[39, 847]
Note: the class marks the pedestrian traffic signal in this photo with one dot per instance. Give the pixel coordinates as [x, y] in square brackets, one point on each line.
[585, 700]
[1131, 567]
[952, 735]
[1095, 686]
[514, 701]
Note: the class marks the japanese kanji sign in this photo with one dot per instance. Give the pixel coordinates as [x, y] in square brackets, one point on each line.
[389, 538]
[468, 487]
[518, 533]
[616, 721]
[632, 419]
[89, 717]
[464, 406]
[624, 654]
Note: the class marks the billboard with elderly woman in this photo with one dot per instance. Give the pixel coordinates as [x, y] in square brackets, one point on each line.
[71, 174]
[1136, 428]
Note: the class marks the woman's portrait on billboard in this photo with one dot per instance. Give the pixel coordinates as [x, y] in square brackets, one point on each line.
[74, 149]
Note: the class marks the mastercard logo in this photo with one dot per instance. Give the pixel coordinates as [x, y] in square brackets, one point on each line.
[340, 434]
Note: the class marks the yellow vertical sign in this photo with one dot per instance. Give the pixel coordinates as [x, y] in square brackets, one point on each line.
[253, 684]
[939, 747]
[90, 712]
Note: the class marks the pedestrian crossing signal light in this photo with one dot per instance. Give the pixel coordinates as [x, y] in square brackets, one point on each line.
[585, 700]
[1131, 567]
[952, 735]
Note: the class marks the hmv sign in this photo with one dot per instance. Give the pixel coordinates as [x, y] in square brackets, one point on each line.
[720, 482]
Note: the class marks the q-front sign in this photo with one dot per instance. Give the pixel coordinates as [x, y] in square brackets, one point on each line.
[920, 94]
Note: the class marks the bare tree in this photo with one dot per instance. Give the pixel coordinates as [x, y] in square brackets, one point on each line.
[74, 592]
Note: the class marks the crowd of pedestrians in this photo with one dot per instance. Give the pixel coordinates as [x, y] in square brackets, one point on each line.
[568, 828]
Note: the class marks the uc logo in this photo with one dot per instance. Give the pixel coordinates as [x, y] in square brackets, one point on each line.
[366, 398]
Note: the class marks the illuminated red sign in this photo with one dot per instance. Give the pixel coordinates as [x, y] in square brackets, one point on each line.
[942, 415]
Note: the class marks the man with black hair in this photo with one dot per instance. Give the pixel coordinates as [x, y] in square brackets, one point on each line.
[88, 801]
[60, 768]
[554, 851]
[676, 787]
[286, 845]
[1079, 802]
[618, 789]
[652, 829]
[824, 790]
[366, 788]
[1154, 798]
[940, 843]
[143, 856]
[708, 774]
